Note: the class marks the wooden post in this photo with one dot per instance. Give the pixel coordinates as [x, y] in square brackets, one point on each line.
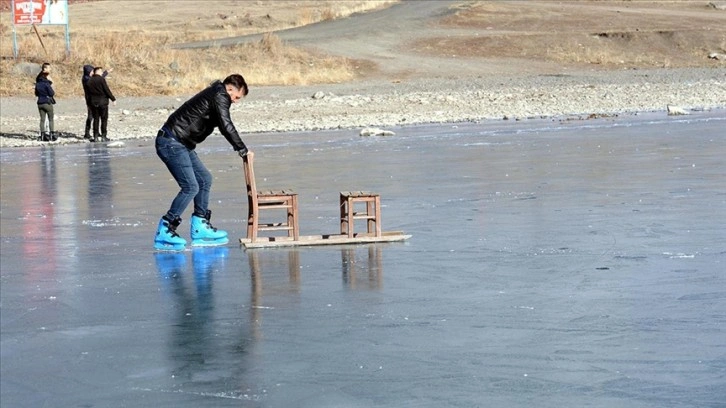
[40, 39]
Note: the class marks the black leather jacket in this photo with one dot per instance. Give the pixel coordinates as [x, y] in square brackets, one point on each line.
[197, 118]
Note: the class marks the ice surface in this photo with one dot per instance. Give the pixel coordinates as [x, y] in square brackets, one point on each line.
[552, 264]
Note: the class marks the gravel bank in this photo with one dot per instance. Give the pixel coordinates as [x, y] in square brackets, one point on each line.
[387, 104]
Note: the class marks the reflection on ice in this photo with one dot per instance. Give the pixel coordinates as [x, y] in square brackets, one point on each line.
[363, 272]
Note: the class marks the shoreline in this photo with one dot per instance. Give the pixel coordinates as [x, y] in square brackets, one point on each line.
[388, 103]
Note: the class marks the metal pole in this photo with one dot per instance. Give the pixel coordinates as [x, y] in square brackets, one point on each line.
[15, 37]
[15, 43]
[68, 30]
[68, 40]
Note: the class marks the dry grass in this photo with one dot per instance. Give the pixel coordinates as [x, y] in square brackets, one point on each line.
[144, 64]
[655, 49]
[608, 34]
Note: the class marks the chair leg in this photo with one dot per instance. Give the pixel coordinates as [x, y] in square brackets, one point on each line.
[249, 225]
[253, 227]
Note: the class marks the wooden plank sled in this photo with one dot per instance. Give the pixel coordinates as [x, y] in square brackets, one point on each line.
[330, 239]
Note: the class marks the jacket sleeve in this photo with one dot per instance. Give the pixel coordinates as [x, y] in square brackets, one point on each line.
[107, 90]
[222, 103]
[86, 93]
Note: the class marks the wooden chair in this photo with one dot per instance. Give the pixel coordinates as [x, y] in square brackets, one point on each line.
[257, 201]
[372, 212]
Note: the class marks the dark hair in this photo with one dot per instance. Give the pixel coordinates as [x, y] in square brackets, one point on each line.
[237, 81]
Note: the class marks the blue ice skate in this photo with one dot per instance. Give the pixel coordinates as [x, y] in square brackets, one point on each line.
[204, 234]
[166, 237]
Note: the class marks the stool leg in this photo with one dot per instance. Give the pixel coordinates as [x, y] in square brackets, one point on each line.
[295, 223]
[291, 217]
[350, 226]
[378, 216]
[369, 212]
[343, 214]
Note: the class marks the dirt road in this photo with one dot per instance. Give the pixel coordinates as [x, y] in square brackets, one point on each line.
[378, 36]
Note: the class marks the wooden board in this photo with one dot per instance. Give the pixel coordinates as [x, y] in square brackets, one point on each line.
[331, 239]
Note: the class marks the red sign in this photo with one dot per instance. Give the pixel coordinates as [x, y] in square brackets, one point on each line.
[28, 11]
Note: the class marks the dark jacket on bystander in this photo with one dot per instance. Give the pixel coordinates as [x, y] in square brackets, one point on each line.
[44, 90]
[87, 74]
[98, 91]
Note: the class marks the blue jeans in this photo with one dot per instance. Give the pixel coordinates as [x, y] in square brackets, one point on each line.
[189, 172]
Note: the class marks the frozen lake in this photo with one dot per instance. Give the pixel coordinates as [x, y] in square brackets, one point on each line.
[552, 264]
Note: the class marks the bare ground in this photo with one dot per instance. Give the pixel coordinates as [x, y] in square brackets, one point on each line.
[454, 39]
[444, 38]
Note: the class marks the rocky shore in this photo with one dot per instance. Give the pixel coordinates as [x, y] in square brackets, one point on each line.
[386, 104]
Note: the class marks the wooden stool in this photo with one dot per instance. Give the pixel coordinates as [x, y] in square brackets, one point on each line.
[348, 214]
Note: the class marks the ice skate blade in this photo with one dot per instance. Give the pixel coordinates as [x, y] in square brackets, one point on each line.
[164, 246]
[209, 242]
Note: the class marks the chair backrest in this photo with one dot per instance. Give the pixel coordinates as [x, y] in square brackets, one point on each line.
[249, 168]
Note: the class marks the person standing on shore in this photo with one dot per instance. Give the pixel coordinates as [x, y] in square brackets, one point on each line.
[175, 145]
[100, 95]
[45, 93]
[44, 69]
[87, 73]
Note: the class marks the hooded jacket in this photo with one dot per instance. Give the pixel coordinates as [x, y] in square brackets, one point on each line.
[197, 118]
[87, 70]
[87, 74]
[44, 90]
